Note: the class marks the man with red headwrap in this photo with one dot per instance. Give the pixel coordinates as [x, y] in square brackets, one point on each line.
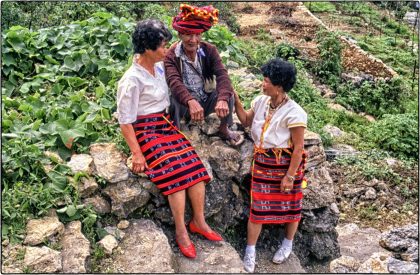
[198, 81]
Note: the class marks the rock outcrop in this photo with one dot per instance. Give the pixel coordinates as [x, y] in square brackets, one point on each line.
[75, 249]
[42, 260]
[39, 230]
[403, 242]
[212, 257]
[144, 249]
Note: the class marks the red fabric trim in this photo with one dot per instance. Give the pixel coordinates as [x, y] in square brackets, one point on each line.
[148, 145]
[152, 154]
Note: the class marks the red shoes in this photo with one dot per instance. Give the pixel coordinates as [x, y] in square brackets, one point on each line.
[188, 251]
[212, 236]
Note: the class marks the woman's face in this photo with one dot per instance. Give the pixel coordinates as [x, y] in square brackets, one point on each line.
[160, 52]
[268, 87]
[190, 42]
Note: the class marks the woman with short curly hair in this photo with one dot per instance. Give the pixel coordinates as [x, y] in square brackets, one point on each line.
[158, 148]
[277, 128]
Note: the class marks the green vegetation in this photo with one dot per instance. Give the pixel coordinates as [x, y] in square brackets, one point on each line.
[328, 68]
[371, 164]
[375, 98]
[320, 6]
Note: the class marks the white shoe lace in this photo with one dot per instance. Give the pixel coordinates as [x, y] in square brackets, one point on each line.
[281, 255]
[249, 262]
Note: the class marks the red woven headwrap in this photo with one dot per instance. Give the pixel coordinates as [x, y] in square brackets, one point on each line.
[195, 20]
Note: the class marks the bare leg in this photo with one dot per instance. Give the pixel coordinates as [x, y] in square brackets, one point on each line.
[196, 193]
[177, 204]
[254, 230]
[291, 229]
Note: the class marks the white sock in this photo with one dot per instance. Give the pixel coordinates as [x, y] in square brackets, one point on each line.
[250, 249]
[287, 243]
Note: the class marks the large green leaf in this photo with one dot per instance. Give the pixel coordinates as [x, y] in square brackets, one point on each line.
[69, 131]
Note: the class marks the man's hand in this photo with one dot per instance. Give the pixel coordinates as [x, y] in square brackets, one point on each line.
[221, 108]
[196, 111]
[139, 163]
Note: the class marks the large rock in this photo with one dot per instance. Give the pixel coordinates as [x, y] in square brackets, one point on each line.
[266, 265]
[216, 197]
[211, 258]
[403, 241]
[75, 249]
[358, 243]
[81, 163]
[344, 264]
[11, 258]
[87, 186]
[246, 151]
[397, 266]
[321, 245]
[99, 204]
[333, 131]
[39, 230]
[108, 243]
[42, 260]
[126, 196]
[109, 162]
[319, 220]
[315, 156]
[211, 125]
[377, 263]
[320, 189]
[144, 249]
[311, 138]
[224, 160]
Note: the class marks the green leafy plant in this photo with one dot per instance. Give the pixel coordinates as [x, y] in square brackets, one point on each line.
[320, 6]
[397, 133]
[329, 67]
[375, 98]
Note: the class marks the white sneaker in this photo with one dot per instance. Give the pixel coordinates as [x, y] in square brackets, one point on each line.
[249, 262]
[281, 255]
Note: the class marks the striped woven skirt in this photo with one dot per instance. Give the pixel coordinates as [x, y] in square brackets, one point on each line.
[173, 163]
[268, 203]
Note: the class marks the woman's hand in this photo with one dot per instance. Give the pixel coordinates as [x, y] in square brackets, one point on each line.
[196, 111]
[139, 163]
[222, 109]
[286, 184]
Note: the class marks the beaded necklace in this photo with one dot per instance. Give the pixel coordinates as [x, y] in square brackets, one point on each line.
[268, 115]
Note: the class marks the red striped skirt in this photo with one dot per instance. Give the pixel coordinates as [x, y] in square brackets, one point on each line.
[268, 203]
[173, 163]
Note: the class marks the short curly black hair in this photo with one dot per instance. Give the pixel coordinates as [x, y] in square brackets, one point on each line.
[280, 72]
[149, 34]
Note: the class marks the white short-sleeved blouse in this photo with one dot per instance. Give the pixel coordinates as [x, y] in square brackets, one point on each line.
[140, 93]
[277, 134]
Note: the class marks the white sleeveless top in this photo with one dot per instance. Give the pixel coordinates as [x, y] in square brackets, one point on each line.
[277, 134]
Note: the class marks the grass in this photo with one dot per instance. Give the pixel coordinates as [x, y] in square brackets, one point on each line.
[320, 6]
[97, 255]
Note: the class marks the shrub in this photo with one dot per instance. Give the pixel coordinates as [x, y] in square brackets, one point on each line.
[329, 67]
[398, 134]
[320, 6]
[287, 51]
[375, 98]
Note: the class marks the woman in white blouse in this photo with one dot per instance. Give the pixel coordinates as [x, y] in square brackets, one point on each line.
[158, 148]
[277, 128]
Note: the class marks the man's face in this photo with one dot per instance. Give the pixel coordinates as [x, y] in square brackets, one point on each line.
[190, 42]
